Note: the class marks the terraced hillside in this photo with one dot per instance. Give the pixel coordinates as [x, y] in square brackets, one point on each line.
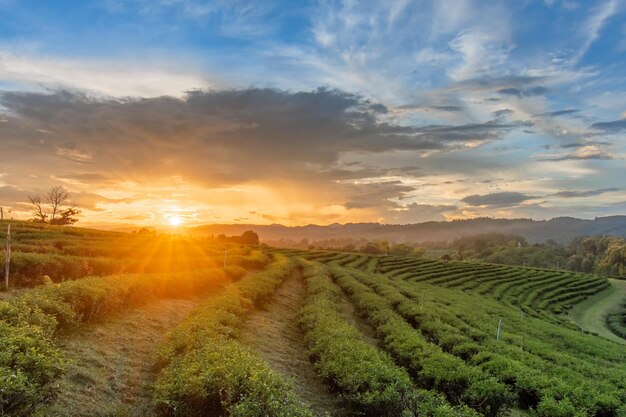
[487, 336]
[68, 253]
[616, 319]
[535, 291]
[298, 333]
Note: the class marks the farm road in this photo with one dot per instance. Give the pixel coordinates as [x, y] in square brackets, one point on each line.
[112, 369]
[273, 332]
[591, 313]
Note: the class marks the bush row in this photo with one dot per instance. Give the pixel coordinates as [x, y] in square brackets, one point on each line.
[29, 269]
[616, 321]
[428, 364]
[29, 362]
[542, 376]
[205, 371]
[366, 378]
[555, 291]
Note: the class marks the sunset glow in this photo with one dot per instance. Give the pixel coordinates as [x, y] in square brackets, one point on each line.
[335, 112]
[175, 221]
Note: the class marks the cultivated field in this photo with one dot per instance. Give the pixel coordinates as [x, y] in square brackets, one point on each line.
[137, 325]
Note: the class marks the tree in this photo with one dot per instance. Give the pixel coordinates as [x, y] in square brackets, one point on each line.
[249, 238]
[400, 249]
[371, 248]
[39, 216]
[66, 217]
[55, 198]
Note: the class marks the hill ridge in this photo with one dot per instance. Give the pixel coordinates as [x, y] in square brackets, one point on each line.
[561, 229]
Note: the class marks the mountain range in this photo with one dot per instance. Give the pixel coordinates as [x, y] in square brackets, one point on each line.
[561, 229]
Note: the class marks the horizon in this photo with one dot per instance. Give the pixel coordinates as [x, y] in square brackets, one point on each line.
[175, 114]
[187, 228]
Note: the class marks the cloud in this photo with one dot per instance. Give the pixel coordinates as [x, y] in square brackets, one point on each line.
[612, 126]
[489, 83]
[444, 108]
[257, 140]
[223, 136]
[556, 113]
[502, 113]
[448, 108]
[88, 177]
[594, 24]
[416, 213]
[524, 92]
[584, 144]
[123, 78]
[500, 199]
[581, 153]
[11, 195]
[431, 56]
[482, 53]
[377, 194]
[588, 193]
[15, 197]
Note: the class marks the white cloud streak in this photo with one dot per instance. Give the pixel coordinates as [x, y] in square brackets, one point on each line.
[99, 76]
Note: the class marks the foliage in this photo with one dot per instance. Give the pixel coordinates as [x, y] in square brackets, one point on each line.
[446, 337]
[428, 364]
[616, 321]
[67, 253]
[603, 255]
[29, 363]
[44, 254]
[247, 238]
[67, 217]
[366, 378]
[203, 367]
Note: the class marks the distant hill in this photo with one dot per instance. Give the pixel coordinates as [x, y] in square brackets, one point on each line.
[561, 229]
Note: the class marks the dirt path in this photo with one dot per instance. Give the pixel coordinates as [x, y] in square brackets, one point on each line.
[273, 333]
[112, 370]
[591, 313]
[350, 313]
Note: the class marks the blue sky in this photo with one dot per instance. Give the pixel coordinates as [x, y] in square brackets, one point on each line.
[407, 110]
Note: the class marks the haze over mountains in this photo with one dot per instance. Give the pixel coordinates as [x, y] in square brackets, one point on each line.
[561, 229]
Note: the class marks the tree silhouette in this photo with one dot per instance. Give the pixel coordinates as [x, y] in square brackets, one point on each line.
[55, 198]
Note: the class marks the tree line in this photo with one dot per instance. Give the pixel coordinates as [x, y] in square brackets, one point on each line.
[604, 255]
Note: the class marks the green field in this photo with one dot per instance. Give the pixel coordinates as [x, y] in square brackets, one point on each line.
[297, 333]
[592, 314]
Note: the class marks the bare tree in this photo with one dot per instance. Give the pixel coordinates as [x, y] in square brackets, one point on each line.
[39, 215]
[56, 197]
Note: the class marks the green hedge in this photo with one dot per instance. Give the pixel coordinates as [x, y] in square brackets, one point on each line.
[366, 378]
[204, 370]
[427, 363]
[29, 362]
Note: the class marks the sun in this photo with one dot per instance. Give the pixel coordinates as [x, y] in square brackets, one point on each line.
[175, 220]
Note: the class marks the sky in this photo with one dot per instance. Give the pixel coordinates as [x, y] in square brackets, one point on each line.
[300, 112]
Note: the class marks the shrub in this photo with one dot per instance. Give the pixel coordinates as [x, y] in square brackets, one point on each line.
[235, 272]
[366, 378]
[203, 367]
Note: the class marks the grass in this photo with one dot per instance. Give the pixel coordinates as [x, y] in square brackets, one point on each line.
[204, 367]
[67, 253]
[591, 314]
[112, 363]
[391, 336]
[422, 309]
[273, 332]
